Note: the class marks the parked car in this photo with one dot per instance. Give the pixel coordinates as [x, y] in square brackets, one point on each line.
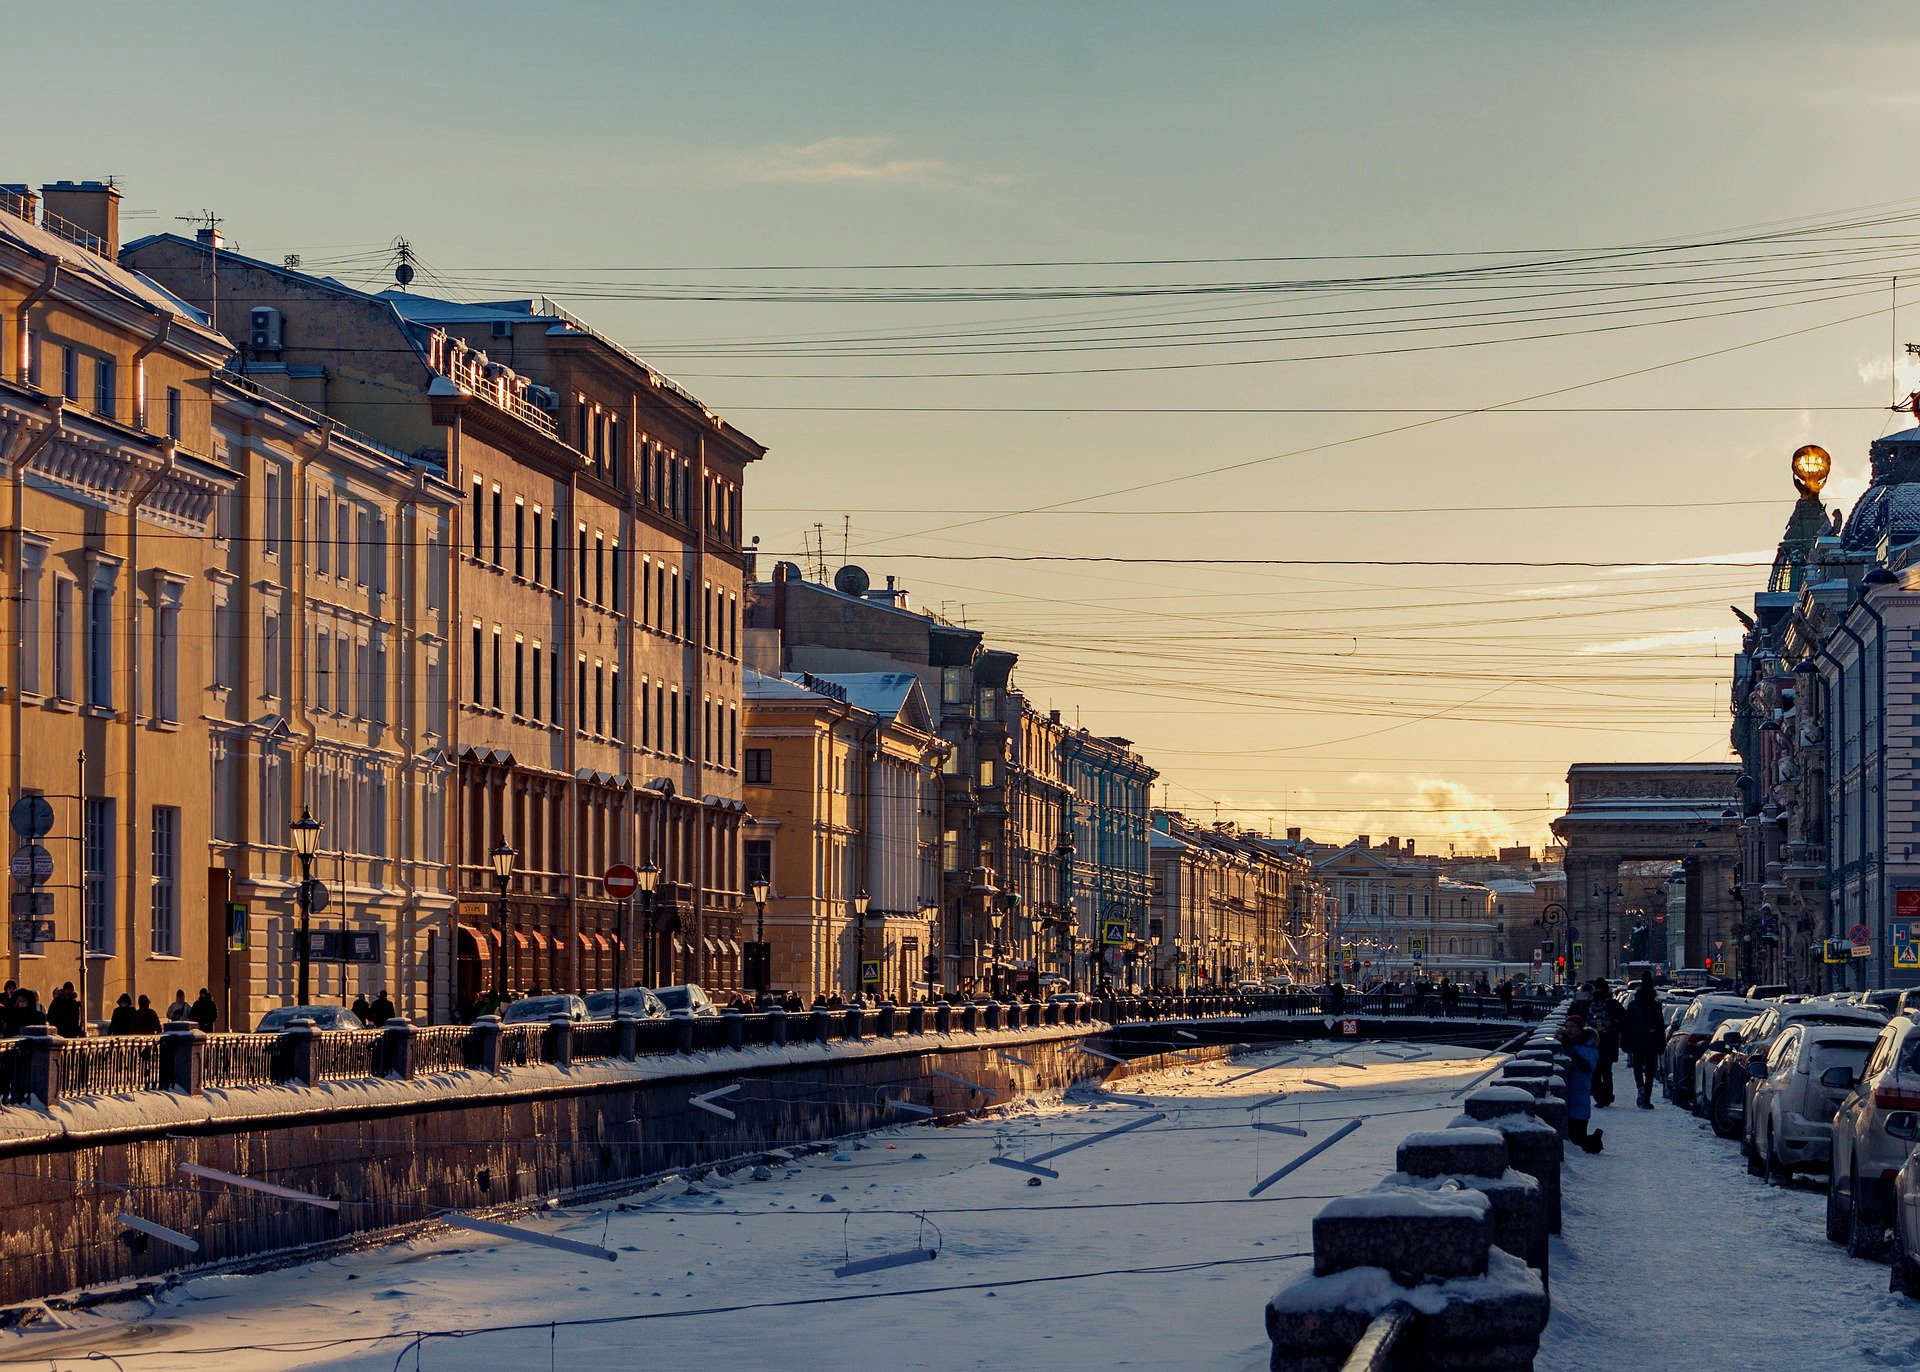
[1726, 1105]
[1867, 1155]
[1886, 1000]
[1068, 998]
[1766, 992]
[540, 1009]
[1689, 1036]
[686, 1002]
[1905, 1277]
[319, 1016]
[636, 1002]
[1724, 1042]
[1805, 1076]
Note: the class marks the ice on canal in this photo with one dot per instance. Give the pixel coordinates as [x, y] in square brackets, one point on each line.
[1145, 1251]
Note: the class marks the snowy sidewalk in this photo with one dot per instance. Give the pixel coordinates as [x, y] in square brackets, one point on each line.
[1673, 1258]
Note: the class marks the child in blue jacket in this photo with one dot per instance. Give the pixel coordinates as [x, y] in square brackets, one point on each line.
[1583, 1047]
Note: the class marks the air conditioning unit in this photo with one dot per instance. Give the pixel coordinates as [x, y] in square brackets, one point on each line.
[545, 397]
[264, 329]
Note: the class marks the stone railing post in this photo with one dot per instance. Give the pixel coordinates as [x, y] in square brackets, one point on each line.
[822, 1026]
[556, 1045]
[969, 1019]
[993, 1015]
[856, 1024]
[883, 1022]
[483, 1044]
[683, 1035]
[296, 1053]
[41, 1049]
[627, 1031]
[916, 1019]
[182, 1055]
[396, 1048]
[777, 1026]
[736, 1030]
[943, 1018]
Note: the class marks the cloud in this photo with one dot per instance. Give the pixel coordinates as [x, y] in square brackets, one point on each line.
[870, 160]
[1728, 639]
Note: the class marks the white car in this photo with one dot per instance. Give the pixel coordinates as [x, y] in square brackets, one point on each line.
[1810, 1069]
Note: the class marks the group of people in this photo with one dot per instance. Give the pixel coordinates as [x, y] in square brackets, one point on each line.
[1597, 1029]
[376, 1012]
[20, 1006]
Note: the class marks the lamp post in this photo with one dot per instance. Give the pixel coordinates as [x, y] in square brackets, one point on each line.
[306, 835]
[1013, 913]
[503, 855]
[762, 962]
[648, 877]
[995, 919]
[860, 901]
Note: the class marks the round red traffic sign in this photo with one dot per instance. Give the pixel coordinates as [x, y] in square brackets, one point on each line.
[621, 881]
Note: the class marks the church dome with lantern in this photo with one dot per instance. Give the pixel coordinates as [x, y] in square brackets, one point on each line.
[1890, 506]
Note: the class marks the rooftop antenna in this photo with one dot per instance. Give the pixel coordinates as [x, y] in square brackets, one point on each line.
[402, 263]
[208, 222]
[815, 549]
[846, 539]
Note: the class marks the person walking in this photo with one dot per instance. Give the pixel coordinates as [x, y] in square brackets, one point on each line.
[1506, 998]
[179, 1011]
[1643, 1033]
[381, 1009]
[204, 1012]
[121, 1021]
[64, 1013]
[362, 1010]
[1607, 1016]
[146, 1020]
[1583, 1050]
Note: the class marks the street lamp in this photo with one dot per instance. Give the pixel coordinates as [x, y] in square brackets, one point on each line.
[1013, 913]
[762, 963]
[860, 902]
[502, 855]
[995, 919]
[647, 878]
[306, 835]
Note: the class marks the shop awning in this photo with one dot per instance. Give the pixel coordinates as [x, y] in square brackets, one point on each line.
[539, 939]
[520, 939]
[713, 949]
[485, 938]
[734, 947]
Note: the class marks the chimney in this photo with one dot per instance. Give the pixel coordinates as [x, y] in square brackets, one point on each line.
[1366, 840]
[18, 200]
[1393, 844]
[1409, 847]
[1293, 834]
[1053, 716]
[93, 207]
[210, 238]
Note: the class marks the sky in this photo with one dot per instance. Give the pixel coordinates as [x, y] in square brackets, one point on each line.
[791, 208]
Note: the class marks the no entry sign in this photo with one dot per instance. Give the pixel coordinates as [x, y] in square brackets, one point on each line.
[621, 881]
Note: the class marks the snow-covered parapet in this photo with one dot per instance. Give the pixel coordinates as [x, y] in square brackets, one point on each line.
[1416, 1234]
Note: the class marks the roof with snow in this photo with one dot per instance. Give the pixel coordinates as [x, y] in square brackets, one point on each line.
[98, 271]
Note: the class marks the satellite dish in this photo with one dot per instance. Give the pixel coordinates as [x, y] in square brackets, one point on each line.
[403, 274]
[851, 580]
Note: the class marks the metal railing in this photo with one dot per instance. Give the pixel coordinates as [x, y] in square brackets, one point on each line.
[111, 1066]
[241, 1060]
[126, 1063]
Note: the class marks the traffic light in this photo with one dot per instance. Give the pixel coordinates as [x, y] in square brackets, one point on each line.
[930, 966]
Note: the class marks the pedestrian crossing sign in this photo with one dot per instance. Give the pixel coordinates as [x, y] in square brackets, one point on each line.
[1579, 954]
[1113, 931]
[869, 973]
[1906, 948]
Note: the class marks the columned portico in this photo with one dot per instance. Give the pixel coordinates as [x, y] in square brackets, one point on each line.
[1626, 812]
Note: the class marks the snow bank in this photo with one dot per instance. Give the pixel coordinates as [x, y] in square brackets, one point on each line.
[1406, 1202]
[1369, 1290]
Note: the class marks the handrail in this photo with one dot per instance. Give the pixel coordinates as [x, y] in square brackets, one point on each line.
[1374, 1352]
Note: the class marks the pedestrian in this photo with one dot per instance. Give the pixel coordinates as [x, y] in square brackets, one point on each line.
[146, 1020]
[204, 1012]
[1506, 998]
[65, 1015]
[362, 1010]
[1449, 997]
[26, 1010]
[1643, 1034]
[179, 1010]
[1606, 1027]
[121, 1021]
[1583, 1050]
[382, 1008]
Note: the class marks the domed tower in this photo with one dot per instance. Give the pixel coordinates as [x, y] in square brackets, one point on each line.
[1890, 507]
[1811, 466]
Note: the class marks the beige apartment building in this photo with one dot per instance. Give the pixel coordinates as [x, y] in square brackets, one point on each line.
[596, 569]
[113, 489]
[843, 781]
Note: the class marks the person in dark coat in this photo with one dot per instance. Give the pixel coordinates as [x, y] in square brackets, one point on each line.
[146, 1020]
[1583, 1049]
[1643, 1033]
[64, 1013]
[204, 1012]
[1449, 997]
[1606, 1026]
[362, 1011]
[121, 1021]
[25, 1010]
[382, 1008]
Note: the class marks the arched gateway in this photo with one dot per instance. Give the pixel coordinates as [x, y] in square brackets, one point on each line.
[1681, 812]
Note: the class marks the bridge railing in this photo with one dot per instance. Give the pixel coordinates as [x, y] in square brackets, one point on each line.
[38, 1066]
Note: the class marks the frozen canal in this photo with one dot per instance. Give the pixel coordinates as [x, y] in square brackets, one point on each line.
[1145, 1252]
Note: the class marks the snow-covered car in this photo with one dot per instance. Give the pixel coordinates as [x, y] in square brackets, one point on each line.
[687, 1002]
[1807, 1073]
[1727, 1105]
[540, 1009]
[1725, 1042]
[319, 1016]
[1867, 1155]
[636, 1002]
[1689, 1037]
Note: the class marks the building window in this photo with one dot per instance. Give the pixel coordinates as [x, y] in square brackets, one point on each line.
[70, 373]
[646, 713]
[363, 536]
[520, 538]
[478, 664]
[519, 677]
[173, 412]
[553, 683]
[496, 666]
[614, 560]
[322, 667]
[536, 681]
[675, 629]
[65, 594]
[556, 550]
[497, 522]
[986, 772]
[166, 657]
[343, 535]
[104, 381]
[733, 736]
[271, 514]
[100, 641]
[674, 718]
[757, 860]
[599, 697]
[953, 685]
[599, 569]
[479, 517]
[97, 879]
[165, 905]
[759, 767]
[580, 694]
[270, 654]
[322, 523]
[613, 701]
[580, 576]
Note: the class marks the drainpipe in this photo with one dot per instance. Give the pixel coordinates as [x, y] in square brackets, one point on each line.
[576, 592]
[49, 278]
[1882, 957]
[158, 341]
[1860, 658]
[1833, 717]
[17, 463]
[154, 476]
[406, 635]
[300, 684]
[696, 686]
